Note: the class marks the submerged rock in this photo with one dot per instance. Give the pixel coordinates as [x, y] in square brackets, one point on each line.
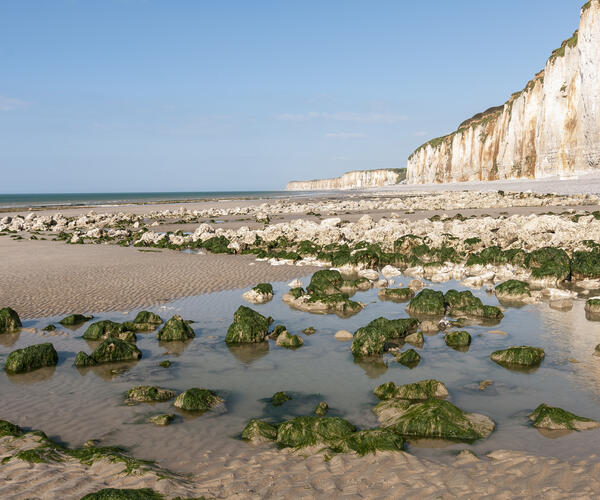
[409, 358]
[75, 319]
[373, 339]
[259, 432]
[427, 303]
[49, 328]
[31, 358]
[514, 290]
[9, 320]
[286, 339]
[109, 351]
[522, 356]
[176, 329]
[198, 400]
[261, 293]
[432, 418]
[458, 339]
[553, 418]
[321, 409]
[149, 394]
[279, 398]
[162, 419]
[165, 364]
[396, 294]
[108, 329]
[309, 331]
[425, 389]
[417, 339]
[248, 327]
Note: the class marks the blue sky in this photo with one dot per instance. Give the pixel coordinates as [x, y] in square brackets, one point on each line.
[133, 95]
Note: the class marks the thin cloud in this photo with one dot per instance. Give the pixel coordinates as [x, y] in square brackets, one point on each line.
[345, 135]
[344, 116]
[10, 103]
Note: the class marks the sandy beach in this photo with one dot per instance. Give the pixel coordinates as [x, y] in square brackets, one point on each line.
[51, 278]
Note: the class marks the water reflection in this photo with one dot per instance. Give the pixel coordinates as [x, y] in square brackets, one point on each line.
[39, 375]
[373, 367]
[9, 339]
[176, 347]
[248, 353]
[107, 371]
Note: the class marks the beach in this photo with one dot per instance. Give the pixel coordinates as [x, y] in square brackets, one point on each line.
[44, 280]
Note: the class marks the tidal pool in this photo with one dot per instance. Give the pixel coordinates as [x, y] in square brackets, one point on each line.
[73, 405]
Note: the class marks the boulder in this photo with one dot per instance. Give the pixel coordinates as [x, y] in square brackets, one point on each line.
[427, 303]
[374, 338]
[286, 339]
[31, 358]
[176, 329]
[259, 432]
[409, 358]
[278, 330]
[108, 329]
[466, 304]
[75, 319]
[522, 356]
[261, 293]
[458, 339]
[248, 327]
[513, 290]
[343, 335]
[149, 394]
[109, 351]
[390, 272]
[555, 419]
[369, 274]
[198, 400]
[301, 432]
[432, 418]
[592, 306]
[396, 294]
[9, 320]
[425, 389]
[415, 339]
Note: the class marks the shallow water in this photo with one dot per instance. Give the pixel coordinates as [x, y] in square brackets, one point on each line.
[75, 405]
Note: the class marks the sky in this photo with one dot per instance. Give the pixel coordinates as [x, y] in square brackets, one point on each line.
[176, 95]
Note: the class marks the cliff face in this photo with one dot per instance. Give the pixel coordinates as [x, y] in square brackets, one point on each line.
[350, 180]
[552, 127]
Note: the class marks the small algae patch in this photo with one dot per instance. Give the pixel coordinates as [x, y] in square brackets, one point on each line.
[259, 432]
[124, 494]
[162, 419]
[321, 409]
[553, 418]
[279, 398]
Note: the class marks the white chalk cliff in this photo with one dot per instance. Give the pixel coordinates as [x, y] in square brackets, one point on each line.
[350, 180]
[552, 127]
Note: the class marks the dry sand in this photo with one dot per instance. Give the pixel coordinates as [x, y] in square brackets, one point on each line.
[48, 278]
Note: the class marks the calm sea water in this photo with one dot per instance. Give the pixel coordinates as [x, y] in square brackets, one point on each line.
[75, 405]
[78, 199]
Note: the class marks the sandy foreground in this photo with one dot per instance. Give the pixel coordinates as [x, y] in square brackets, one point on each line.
[46, 278]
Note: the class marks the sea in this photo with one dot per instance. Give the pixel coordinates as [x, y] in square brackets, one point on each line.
[8, 201]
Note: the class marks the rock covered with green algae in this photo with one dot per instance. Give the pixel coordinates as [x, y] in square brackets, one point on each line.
[176, 329]
[31, 358]
[109, 351]
[149, 394]
[286, 339]
[424, 389]
[465, 303]
[124, 494]
[9, 320]
[417, 339]
[49, 328]
[75, 319]
[372, 441]
[259, 432]
[549, 266]
[248, 327]
[321, 409]
[9, 429]
[592, 306]
[408, 358]
[458, 339]
[432, 418]
[162, 420]
[278, 330]
[279, 398]
[261, 293]
[553, 418]
[108, 329]
[145, 321]
[374, 338]
[396, 294]
[427, 303]
[301, 432]
[513, 290]
[326, 281]
[521, 356]
[196, 399]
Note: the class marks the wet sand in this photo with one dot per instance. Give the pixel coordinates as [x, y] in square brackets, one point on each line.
[48, 278]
